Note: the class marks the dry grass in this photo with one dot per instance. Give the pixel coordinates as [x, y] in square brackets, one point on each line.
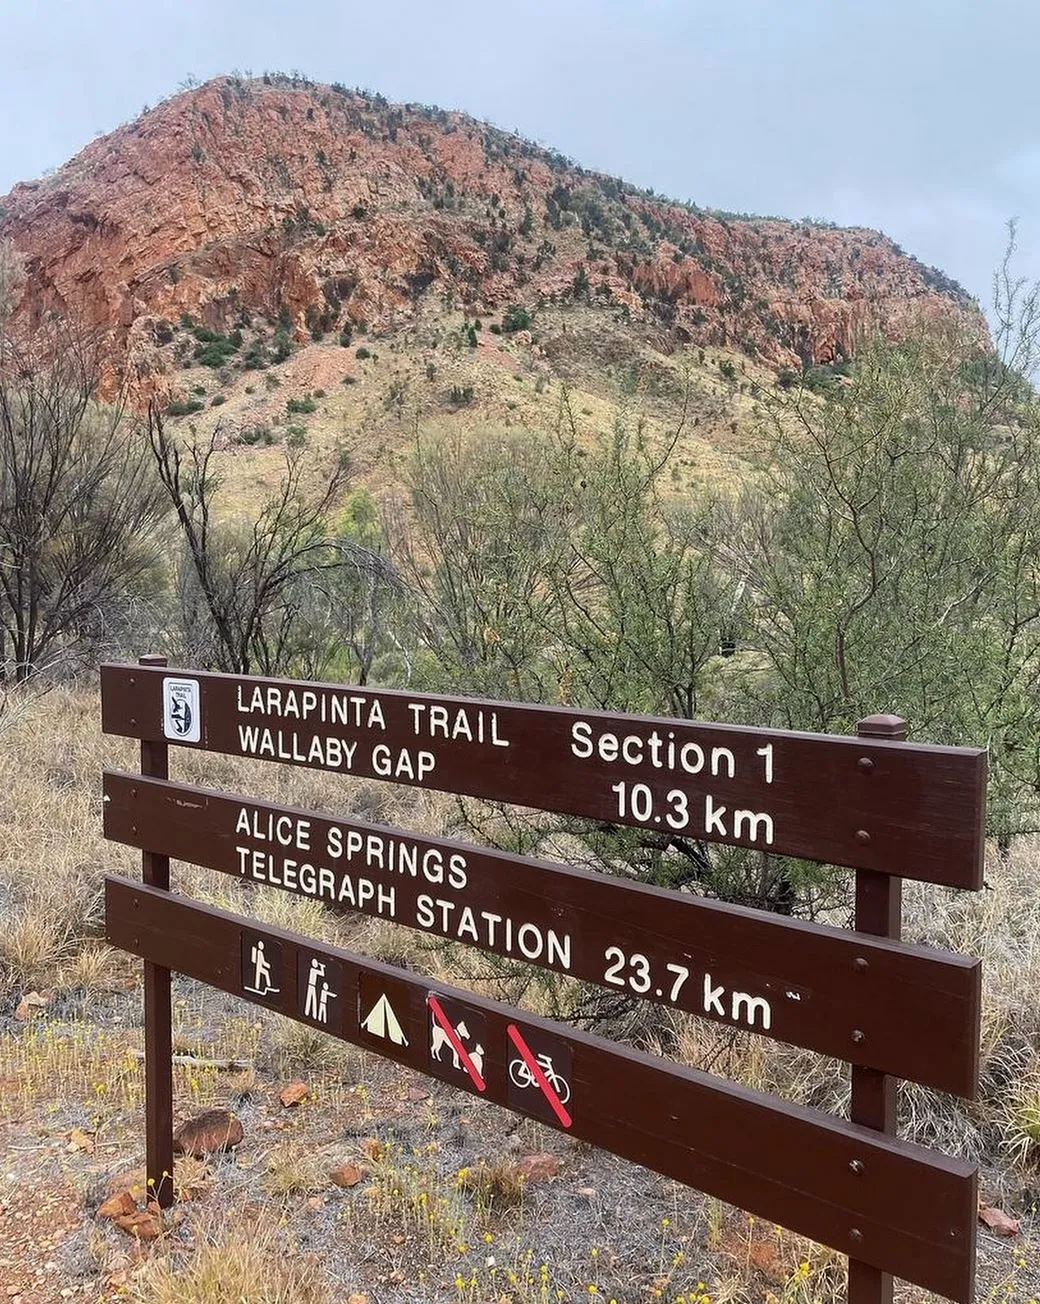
[235, 1259]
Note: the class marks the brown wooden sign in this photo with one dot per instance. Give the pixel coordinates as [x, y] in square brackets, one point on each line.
[898, 808]
[902, 1009]
[889, 1204]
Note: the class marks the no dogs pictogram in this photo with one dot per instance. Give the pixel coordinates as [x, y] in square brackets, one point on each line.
[457, 1039]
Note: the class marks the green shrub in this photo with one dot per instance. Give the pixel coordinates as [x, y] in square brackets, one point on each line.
[256, 356]
[319, 393]
[283, 345]
[213, 350]
[516, 318]
[363, 353]
[461, 395]
[301, 406]
[255, 435]
[727, 370]
[217, 400]
[184, 407]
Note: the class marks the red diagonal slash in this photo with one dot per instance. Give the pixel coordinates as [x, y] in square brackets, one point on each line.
[457, 1046]
[539, 1077]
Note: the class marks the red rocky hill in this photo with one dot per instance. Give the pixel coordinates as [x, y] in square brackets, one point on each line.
[327, 207]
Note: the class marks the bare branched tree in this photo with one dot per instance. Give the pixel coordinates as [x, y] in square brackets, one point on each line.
[251, 586]
[80, 509]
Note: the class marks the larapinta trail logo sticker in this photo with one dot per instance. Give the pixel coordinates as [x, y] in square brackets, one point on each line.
[182, 710]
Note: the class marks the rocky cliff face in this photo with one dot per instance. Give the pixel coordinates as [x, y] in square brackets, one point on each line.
[325, 207]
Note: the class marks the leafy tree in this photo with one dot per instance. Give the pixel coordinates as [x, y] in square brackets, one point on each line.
[555, 572]
[892, 556]
[486, 525]
[361, 612]
[516, 318]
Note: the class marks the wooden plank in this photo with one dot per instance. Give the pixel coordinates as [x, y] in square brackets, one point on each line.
[902, 1009]
[892, 1204]
[898, 808]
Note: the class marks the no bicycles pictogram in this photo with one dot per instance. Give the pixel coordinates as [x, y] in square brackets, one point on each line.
[542, 1068]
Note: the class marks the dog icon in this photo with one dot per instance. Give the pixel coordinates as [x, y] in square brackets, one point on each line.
[440, 1039]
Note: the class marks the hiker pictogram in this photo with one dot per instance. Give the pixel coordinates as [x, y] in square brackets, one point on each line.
[319, 993]
[319, 986]
[261, 961]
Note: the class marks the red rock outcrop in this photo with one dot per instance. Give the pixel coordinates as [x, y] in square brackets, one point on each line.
[326, 207]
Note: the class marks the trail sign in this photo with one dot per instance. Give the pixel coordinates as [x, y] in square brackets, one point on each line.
[886, 808]
[908, 1010]
[916, 811]
[890, 1203]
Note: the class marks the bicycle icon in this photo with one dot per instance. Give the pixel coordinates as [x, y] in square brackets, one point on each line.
[520, 1075]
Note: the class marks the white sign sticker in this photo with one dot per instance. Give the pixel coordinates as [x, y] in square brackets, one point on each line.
[182, 710]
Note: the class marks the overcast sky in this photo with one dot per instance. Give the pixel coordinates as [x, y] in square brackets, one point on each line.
[921, 117]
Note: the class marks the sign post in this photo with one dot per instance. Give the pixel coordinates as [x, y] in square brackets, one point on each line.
[158, 1018]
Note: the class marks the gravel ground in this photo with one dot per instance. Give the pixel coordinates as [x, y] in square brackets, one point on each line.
[438, 1213]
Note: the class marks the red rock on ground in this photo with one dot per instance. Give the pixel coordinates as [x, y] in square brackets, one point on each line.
[538, 1167]
[210, 1133]
[118, 1206]
[345, 1175]
[999, 1222]
[294, 1094]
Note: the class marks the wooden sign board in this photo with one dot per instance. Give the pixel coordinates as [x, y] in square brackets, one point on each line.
[889, 1204]
[901, 1009]
[899, 808]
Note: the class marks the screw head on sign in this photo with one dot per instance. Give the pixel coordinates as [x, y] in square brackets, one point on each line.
[862, 835]
[856, 1166]
[861, 964]
[858, 1036]
[855, 1235]
[865, 764]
